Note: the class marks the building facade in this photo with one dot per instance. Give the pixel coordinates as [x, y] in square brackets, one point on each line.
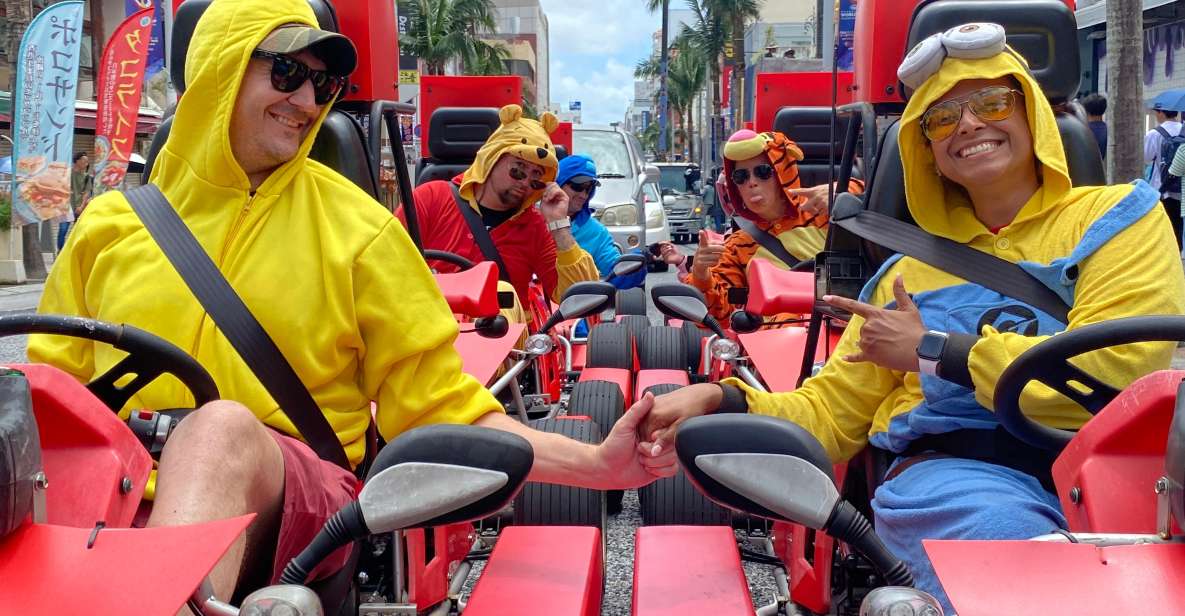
[521, 25]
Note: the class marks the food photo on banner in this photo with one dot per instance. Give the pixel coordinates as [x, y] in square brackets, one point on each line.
[43, 113]
[121, 78]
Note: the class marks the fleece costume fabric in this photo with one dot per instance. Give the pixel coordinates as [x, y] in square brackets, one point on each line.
[325, 269]
[1107, 251]
[590, 234]
[523, 241]
[803, 236]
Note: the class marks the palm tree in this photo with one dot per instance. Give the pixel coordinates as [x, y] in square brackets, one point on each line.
[687, 74]
[443, 30]
[1125, 90]
[708, 36]
[737, 13]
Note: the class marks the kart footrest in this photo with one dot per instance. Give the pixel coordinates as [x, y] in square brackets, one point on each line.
[689, 570]
[541, 570]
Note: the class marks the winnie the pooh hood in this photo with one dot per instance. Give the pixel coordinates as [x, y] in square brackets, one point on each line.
[199, 143]
[939, 206]
[521, 137]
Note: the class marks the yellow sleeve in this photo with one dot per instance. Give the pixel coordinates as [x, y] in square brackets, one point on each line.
[65, 294]
[572, 266]
[409, 366]
[1137, 272]
[837, 406]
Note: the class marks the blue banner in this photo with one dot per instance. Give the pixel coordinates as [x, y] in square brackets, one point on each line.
[844, 57]
[43, 113]
[154, 76]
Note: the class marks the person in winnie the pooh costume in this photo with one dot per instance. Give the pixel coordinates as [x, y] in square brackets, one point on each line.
[514, 170]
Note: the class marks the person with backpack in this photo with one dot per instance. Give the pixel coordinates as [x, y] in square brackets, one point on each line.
[1160, 145]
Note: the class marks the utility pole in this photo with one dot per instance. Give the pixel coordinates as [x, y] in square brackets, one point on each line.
[1125, 90]
[662, 86]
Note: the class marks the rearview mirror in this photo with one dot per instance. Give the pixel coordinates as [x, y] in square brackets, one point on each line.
[628, 264]
[581, 300]
[668, 200]
[652, 174]
[680, 301]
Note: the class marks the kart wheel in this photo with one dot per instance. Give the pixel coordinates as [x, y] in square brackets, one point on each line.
[610, 346]
[673, 500]
[636, 324]
[662, 348]
[545, 504]
[694, 336]
[604, 403]
[631, 301]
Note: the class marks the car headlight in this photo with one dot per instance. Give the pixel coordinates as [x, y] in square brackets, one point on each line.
[655, 217]
[699, 209]
[623, 215]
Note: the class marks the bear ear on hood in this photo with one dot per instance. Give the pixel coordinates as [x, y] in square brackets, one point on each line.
[549, 122]
[510, 114]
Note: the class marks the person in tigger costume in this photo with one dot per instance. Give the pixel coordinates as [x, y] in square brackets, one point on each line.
[763, 187]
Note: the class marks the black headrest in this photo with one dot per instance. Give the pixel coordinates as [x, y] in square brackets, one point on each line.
[340, 145]
[1042, 31]
[186, 20]
[455, 134]
[886, 193]
[432, 170]
[1082, 151]
[810, 128]
[560, 152]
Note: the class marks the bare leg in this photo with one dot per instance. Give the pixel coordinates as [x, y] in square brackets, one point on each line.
[220, 463]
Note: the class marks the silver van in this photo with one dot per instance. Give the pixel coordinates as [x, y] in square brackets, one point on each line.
[620, 202]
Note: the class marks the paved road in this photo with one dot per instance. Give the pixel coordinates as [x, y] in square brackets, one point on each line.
[17, 299]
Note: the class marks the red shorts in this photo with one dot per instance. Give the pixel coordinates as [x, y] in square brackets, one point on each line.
[314, 490]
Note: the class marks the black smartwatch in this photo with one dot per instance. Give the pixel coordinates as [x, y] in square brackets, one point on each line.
[930, 350]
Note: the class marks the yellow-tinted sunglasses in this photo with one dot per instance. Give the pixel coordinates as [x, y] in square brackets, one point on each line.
[991, 104]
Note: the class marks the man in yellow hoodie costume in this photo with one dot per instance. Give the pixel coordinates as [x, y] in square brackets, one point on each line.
[1002, 187]
[326, 270]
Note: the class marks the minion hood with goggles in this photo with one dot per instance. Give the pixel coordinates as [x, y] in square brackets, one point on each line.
[931, 69]
[526, 139]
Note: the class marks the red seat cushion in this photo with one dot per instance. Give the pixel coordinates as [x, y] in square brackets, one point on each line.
[773, 290]
[543, 570]
[621, 376]
[680, 570]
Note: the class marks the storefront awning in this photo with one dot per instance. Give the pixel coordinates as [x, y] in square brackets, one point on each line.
[1096, 14]
[85, 113]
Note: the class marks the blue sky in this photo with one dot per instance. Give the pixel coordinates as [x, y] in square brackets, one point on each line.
[594, 47]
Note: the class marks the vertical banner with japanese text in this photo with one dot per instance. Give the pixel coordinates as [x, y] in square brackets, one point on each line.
[121, 77]
[43, 113]
[155, 77]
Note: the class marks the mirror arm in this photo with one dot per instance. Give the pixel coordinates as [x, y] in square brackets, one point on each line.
[850, 526]
[345, 526]
[711, 323]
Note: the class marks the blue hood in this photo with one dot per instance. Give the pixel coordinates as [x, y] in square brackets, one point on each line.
[575, 165]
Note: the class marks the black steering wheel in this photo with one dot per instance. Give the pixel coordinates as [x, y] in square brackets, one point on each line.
[449, 257]
[1048, 363]
[149, 356]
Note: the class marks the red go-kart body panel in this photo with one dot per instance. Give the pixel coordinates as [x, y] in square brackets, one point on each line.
[541, 570]
[1116, 458]
[48, 569]
[464, 91]
[773, 290]
[480, 356]
[473, 292]
[681, 570]
[563, 136]
[1037, 578]
[650, 378]
[371, 26]
[769, 349]
[87, 451]
[777, 90]
[428, 580]
[622, 377]
[810, 576]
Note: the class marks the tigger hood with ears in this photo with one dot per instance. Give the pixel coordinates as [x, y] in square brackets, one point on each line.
[783, 155]
[521, 137]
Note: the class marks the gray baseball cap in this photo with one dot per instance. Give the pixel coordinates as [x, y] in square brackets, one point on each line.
[335, 50]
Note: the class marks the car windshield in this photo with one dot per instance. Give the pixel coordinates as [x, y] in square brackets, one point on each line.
[672, 178]
[607, 149]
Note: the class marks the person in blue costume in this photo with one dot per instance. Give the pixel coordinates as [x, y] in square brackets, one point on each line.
[984, 166]
[578, 177]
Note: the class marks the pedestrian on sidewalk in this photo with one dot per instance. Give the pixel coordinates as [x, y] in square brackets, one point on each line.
[81, 186]
[1156, 151]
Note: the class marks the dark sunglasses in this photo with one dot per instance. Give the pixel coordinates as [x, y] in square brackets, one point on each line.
[288, 74]
[584, 187]
[762, 172]
[990, 104]
[517, 173]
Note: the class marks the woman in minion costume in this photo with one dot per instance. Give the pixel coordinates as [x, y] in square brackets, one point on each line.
[763, 187]
[984, 166]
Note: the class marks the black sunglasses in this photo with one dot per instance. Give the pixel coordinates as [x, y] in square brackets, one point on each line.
[762, 172]
[582, 187]
[288, 74]
[517, 173]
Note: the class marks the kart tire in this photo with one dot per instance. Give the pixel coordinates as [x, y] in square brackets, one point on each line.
[659, 266]
[604, 403]
[636, 324]
[631, 301]
[662, 348]
[545, 504]
[610, 345]
[694, 337]
[673, 500]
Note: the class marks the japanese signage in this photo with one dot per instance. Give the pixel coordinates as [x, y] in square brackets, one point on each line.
[121, 76]
[409, 77]
[43, 113]
[155, 77]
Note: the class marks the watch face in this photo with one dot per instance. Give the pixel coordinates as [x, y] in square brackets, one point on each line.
[931, 346]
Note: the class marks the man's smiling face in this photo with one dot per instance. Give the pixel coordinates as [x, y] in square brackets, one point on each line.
[268, 126]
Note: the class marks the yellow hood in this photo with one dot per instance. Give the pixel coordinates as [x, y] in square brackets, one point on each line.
[937, 205]
[199, 143]
[525, 138]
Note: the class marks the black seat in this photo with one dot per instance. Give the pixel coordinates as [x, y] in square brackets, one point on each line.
[340, 143]
[455, 134]
[810, 128]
